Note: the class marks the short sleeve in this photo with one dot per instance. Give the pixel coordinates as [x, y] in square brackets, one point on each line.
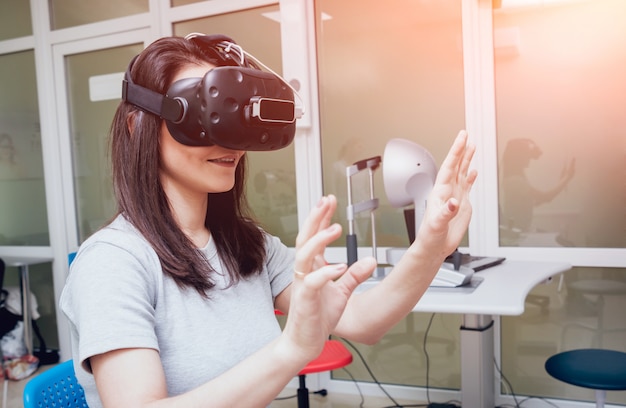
[110, 291]
[279, 263]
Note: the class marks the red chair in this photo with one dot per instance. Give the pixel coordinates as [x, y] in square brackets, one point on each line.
[334, 356]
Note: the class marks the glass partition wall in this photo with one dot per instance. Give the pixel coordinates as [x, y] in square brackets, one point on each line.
[90, 119]
[15, 21]
[73, 13]
[23, 211]
[22, 198]
[560, 97]
[391, 70]
[396, 70]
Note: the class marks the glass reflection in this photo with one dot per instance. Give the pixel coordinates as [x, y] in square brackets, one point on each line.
[520, 195]
[9, 166]
[15, 19]
[560, 93]
[71, 13]
[24, 219]
[90, 123]
[272, 192]
[390, 70]
[585, 310]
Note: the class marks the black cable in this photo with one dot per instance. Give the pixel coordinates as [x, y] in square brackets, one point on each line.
[396, 405]
[285, 398]
[429, 404]
[541, 399]
[369, 370]
[357, 387]
[322, 392]
[430, 322]
[495, 363]
[518, 404]
[526, 399]
[448, 404]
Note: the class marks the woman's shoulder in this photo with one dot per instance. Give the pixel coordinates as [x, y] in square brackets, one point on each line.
[119, 231]
[116, 242]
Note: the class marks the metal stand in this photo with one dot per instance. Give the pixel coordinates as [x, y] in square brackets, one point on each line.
[370, 164]
[477, 385]
[303, 393]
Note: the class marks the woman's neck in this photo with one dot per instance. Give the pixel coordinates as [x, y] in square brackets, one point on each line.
[190, 214]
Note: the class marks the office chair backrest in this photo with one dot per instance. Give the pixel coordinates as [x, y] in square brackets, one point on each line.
[55, 387]
[70, 257]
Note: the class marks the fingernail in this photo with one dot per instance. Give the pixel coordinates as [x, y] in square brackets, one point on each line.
[321, 201]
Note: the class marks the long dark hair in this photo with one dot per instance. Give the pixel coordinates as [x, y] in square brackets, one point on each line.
[140, 196]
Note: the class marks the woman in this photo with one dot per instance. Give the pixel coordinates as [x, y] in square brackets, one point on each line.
[154, 324]
[519, 196]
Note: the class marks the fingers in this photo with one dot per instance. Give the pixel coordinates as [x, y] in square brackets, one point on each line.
[457, 162]
[340, 276]
[315, 234]
[318, 262]
[471, 178]
[309, 252]
[318, 278]
[456, 152]
[318, 219]
[466, 161]
[450, 195]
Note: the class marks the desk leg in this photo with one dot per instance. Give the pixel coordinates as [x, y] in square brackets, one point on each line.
[25, 284]
[477, 349]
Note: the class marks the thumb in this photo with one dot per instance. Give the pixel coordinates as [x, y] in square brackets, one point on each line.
[452, 207]
[358, 273]
[446, 212]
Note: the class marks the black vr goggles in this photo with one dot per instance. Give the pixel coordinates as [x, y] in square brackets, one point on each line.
[235, 105]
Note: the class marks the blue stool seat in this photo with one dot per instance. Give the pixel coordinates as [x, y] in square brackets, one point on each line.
[597, 369]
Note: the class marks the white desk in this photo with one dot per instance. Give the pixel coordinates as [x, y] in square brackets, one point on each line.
[22, 263]
[500, 290]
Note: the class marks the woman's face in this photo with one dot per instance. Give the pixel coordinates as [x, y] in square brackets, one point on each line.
[192, 170]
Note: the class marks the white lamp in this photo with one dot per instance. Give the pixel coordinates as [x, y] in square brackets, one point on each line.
[409, 173]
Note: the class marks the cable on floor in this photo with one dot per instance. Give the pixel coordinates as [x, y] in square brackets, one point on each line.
[507, 383]
[449, 404]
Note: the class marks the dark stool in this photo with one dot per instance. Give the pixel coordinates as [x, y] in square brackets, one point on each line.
[600, 370]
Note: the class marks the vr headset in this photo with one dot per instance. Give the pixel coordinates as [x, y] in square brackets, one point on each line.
[236, 105]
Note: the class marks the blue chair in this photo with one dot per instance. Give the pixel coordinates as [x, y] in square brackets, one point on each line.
[598, 369]
[55, 387]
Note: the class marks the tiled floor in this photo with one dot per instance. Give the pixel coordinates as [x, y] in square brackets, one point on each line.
[335, 400]
[14, 391]
[15, 388]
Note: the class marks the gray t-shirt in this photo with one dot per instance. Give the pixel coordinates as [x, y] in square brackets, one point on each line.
[116, 296]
